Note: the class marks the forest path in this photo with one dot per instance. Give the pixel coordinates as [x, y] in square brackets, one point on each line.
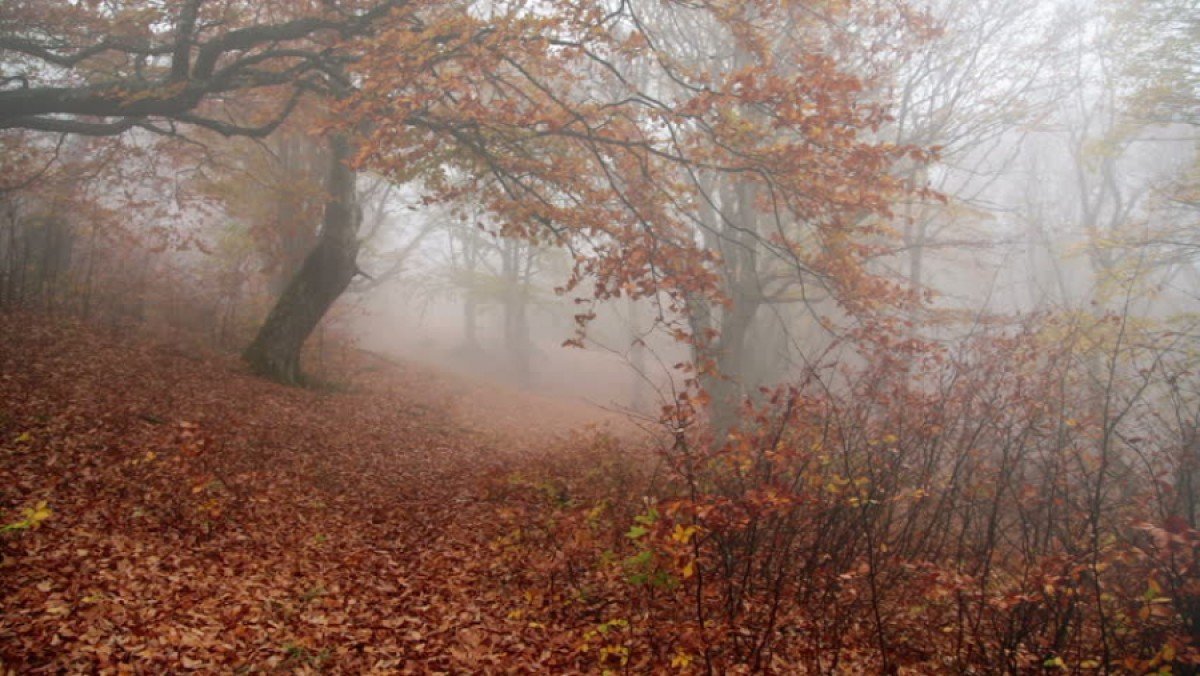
[504, 416]
[203, 518]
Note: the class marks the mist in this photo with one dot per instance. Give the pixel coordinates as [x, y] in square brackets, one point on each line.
[631, 335]
[1061, 183]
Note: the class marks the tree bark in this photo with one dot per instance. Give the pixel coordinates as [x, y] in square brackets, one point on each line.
[321, 279]
[727, 388]
[516, 319]
[637, 358]
[471, 297]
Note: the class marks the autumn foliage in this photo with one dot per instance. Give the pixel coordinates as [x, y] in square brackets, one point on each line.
[553, 123]
[969, 518]
[922, 489]
[985, 515]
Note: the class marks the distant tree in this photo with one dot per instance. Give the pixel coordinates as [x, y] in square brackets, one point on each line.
[1157, 43]
[1156, 47]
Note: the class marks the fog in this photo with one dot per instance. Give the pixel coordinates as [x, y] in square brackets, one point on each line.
[581, 336]
[1065, 186]
[1062, 176]
[391, 322]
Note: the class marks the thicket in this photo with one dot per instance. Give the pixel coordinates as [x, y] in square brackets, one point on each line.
[1021, 500]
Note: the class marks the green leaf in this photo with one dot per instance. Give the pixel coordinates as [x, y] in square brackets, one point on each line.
[640, 560]
[648, 518]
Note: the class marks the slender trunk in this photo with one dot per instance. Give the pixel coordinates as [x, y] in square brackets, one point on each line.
[91, 272]
[10, 265]
[637, 358]
[516, 323]
[23, 270]
[471, 322]
[727, 388]
[321, 279]
[916, 232]
[916, 261]
[471, 297]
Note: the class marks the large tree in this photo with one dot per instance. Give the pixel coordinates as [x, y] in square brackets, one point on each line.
[229, 67]
[672, 145]
[579, 124]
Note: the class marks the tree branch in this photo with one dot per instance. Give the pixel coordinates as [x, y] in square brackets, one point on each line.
[266, 55]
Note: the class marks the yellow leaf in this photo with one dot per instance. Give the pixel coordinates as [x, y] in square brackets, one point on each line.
[57, 608]
[689, 570]
[38, 514]
[682, 534]
[594, 513]
[681, 660]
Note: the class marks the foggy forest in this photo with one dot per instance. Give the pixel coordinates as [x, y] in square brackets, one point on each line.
[600, 336]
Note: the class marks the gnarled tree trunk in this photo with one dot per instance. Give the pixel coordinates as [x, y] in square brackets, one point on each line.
[324, 275]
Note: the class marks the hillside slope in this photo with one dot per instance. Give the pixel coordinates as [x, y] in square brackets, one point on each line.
[205, 519]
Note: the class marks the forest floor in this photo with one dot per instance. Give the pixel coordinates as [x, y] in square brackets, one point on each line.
[203, 519]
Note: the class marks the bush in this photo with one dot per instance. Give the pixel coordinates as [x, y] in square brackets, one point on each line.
[1018, 503]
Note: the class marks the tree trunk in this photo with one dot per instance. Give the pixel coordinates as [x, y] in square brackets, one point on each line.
[516, 320]
[637, 358]
[324, 275]
[471, 323]
[727, 388]
[471, 297]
